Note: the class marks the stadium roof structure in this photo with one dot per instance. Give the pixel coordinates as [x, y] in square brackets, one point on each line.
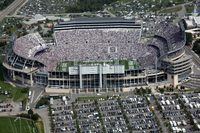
[94, 23]
[98, 20]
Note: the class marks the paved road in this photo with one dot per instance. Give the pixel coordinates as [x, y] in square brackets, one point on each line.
[45, 118]
[36, 93]
[195, 57]
[19, 7]
[11, 8]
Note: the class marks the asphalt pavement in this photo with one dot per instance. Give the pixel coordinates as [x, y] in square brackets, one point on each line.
[36, 93]
[45, 119]
[195, 57]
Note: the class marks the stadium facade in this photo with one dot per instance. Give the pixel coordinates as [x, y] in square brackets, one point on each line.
[99, 55]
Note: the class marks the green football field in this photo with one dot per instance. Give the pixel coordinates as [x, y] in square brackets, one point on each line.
[16, 125]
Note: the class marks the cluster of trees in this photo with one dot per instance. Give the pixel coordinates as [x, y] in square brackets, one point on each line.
[167, 89]
[188, 38]
[30, 115]
[12, 25]
[5, 3]
[88, 5]
[2, 43]
[42, 102]
[142, 91]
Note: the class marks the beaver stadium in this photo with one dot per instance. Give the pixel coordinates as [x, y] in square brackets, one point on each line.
[99, 55]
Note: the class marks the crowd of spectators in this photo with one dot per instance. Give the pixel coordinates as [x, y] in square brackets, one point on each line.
[172, 33]
[99, 44]
[25, 46]
[28, 46]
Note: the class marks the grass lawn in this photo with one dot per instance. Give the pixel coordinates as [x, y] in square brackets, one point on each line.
[40, 126]
[11, 125]
[14, 93]
[189, 8]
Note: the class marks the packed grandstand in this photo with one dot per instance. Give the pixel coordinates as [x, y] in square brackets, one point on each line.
[99, 55]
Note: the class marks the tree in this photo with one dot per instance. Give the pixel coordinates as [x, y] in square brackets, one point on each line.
[30, 112]
[196, 47]
[149, 90]
[5, 3]
[161, 90]
[35, 117]
[42, 101]
[188, 38]
[182, 87]
[39, 28]
[143, 90]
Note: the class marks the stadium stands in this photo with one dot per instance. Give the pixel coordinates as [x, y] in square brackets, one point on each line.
[172, 33]
[98, 41]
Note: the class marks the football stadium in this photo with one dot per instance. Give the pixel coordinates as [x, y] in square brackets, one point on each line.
[99, 55]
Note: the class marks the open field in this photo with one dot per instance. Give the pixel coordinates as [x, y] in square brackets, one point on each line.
[40, 126]
[9, 92]
[189, 8]
[13, 125]
[13, 93]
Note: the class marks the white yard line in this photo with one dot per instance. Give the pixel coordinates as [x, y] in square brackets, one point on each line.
[11, 125]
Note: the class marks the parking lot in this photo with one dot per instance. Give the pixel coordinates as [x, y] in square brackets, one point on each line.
[107, 114]
[139, 114]
[191, 102]
[6, 107]
[88, 117]
[33, 7]
[112, 116]
[62, 117]
[174, 114]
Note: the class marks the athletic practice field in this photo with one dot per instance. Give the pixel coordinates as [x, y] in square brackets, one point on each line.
[16, 125]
